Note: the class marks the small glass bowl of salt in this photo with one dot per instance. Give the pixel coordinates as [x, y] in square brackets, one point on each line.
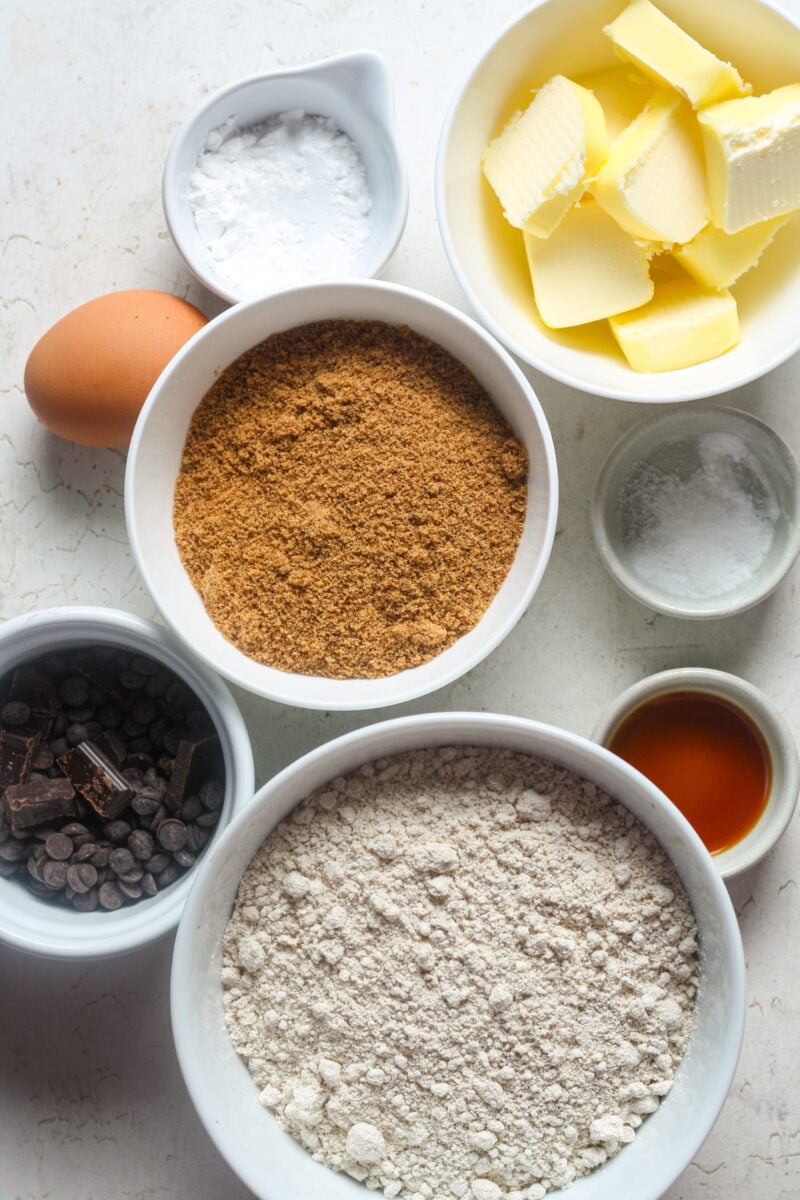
[695, 511]
[292, 177]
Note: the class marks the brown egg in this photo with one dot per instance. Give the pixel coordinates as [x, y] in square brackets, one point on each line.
[87, 377]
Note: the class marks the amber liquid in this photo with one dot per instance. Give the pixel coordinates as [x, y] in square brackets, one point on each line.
[706, 755]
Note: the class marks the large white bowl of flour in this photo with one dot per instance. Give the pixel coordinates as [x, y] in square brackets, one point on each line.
[275, 1165]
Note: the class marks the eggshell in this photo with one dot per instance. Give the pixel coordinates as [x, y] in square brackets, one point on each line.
[87, 377]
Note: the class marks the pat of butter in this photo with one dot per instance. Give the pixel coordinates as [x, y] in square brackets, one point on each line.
[622, 93]
[645, 36]
[717, 259]
[653, 181]
[752, 148]
[539, 163]
[587, 269]
[682, 325]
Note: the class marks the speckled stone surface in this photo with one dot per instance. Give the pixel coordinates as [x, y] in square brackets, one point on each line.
[92, 1105]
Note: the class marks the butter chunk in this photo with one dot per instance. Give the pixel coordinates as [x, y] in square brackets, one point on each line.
[682, 325]
[622, 93]
[539, 164]
[717, 259]
[587, 270]
[645, 36]
[654, 182]
[752, 148]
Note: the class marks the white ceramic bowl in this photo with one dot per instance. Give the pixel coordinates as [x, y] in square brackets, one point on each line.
[780, 742]
[666, 443]
[353, 90]
[157, 445]
[42, 928]
[268, 1160]
[565, 36]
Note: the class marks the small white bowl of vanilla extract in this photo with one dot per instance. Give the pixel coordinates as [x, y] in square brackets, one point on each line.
[719, 750]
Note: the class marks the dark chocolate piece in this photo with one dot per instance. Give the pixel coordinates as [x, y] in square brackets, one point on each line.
[112, 745]
[98, 674]
[38, 802]
[16, 751]
[194, 760]
[36, 689]
[97, 780]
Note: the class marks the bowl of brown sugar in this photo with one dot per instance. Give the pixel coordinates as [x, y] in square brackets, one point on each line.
[343, 495]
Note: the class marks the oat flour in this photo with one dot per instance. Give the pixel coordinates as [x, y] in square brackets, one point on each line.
[461, 972]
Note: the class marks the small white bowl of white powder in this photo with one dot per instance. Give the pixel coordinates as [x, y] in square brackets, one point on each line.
[458, 956]
[290, 177]
[696, 512]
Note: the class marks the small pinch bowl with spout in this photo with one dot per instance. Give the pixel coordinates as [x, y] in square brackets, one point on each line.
[354, 92]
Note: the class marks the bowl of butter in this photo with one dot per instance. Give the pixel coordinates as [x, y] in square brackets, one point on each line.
[618, 188]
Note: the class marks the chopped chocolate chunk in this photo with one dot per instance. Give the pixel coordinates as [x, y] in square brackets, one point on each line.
[16, 752]
[112, 745]
[97, 780]
[194, 759]
[38, 802]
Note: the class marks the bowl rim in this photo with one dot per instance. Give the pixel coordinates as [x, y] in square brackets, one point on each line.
[636, 394]
[382, 115]
[416, 732]
[774, 728]
[673, 423]
[132, 926]
[401, 294]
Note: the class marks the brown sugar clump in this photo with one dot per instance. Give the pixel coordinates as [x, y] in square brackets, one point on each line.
[349, 500]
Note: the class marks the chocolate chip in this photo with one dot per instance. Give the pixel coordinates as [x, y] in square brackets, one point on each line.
[59, 846]
[191, 808]
[170, 873]
[120, 860]
[211, 793]
[85, 901]
[15, 712]
[74, 691]
[145, 802]
[130, 889]
[100, 857]
[148, 884]
[54, 874]
[110, 896]
[156, 863]
[141, 844]
[172, 834]
[81, 877]
[116, 831]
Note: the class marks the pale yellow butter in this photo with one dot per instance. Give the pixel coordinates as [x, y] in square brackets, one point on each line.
[752, 149]
[653, 182]
[717, 259]
[682, 325]
[539, 164]
[587, 269]
[645, 36]
[622, 93]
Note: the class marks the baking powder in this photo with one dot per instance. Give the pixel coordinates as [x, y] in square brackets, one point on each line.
[461, 972]
[281, 202]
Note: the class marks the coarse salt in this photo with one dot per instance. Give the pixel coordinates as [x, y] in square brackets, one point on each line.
[281, 202]
[702, 525]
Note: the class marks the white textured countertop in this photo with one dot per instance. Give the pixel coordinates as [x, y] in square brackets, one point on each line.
[92, 1106]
